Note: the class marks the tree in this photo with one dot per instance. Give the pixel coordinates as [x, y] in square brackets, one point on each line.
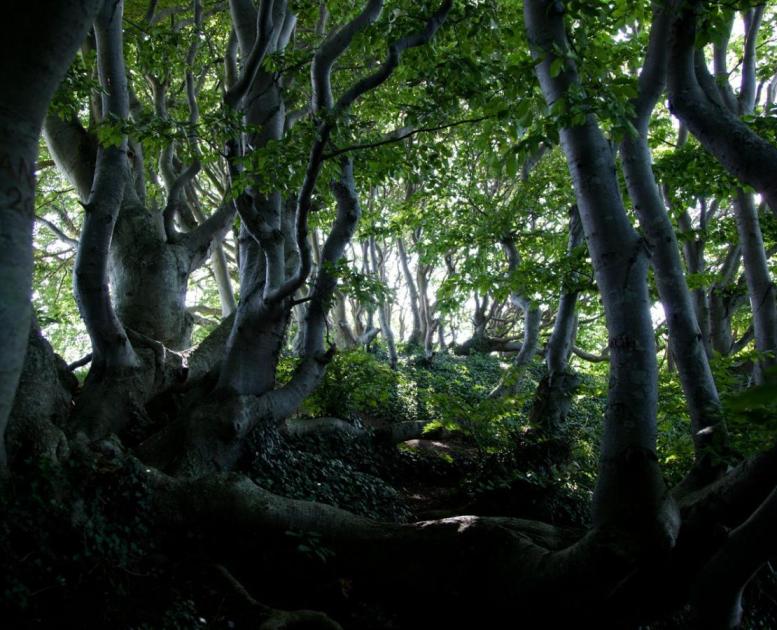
[23, 113]
[285, 138]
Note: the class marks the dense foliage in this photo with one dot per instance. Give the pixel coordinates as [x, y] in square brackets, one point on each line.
[355, 255]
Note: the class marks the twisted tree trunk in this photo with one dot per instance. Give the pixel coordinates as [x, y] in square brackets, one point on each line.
[711, 113]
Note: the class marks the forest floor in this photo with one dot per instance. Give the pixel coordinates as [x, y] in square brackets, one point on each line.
[110, 565]
[78, 546]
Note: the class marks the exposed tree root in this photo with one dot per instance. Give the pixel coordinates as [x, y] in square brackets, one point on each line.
[273, 618]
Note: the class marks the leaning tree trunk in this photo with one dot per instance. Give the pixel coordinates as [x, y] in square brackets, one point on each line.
[111, 349]
[630, 493]
[723, 301]
[149, 263]
[345, 338]
[531, 313]
[694, 97]
[554, 392]
[708, 427]
[712, 115]
[255, 343]
[760, 288]
[693, 252]
[531, 328]
[121, 379]
[426, 311]
[29, 83]
[113, 380]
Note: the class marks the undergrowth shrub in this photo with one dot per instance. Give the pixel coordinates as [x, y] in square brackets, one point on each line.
[74, 537]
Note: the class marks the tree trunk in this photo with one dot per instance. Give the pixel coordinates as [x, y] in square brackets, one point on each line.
[630, 492]
[149, 263]
[112, 353]
[693, 252]
[41, 407]
[428, 323]
[694, 97]
[531, 328]
[149, 279]
[30, 82]
[553, 397]
[416, 336]
[685, 338]
[760, 287]
[344, 336]
[379, 267]
[531, 312]
[722, 304]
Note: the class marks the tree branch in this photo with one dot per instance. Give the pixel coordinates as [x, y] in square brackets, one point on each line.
[401, 134]
[264, 28]
[321, 101]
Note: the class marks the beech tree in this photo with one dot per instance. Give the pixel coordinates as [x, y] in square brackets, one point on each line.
[23, 113]
[248, 147]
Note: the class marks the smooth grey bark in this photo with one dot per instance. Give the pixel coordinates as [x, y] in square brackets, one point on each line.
[553, 397]
[694, 255]
[531, 312]
[150, 273]
[208, 443]
[629, 489]
[30, 75]
[348, 213]
[531, 327]
[441, 343]
[218, 257]
[111, 350]
[162, 314]
[344, 336]
[254, 345]
[368, 331]
[708, 426]
[223, 281]
[713, 119]
[384, 315]
[722, 301]
[207, 356]
[760, 288]
[117, 384]
[565, 325]
[416, 334]
[74, 151]
[150, 262]
[246, 396]
[695, 99]
[426, 310]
